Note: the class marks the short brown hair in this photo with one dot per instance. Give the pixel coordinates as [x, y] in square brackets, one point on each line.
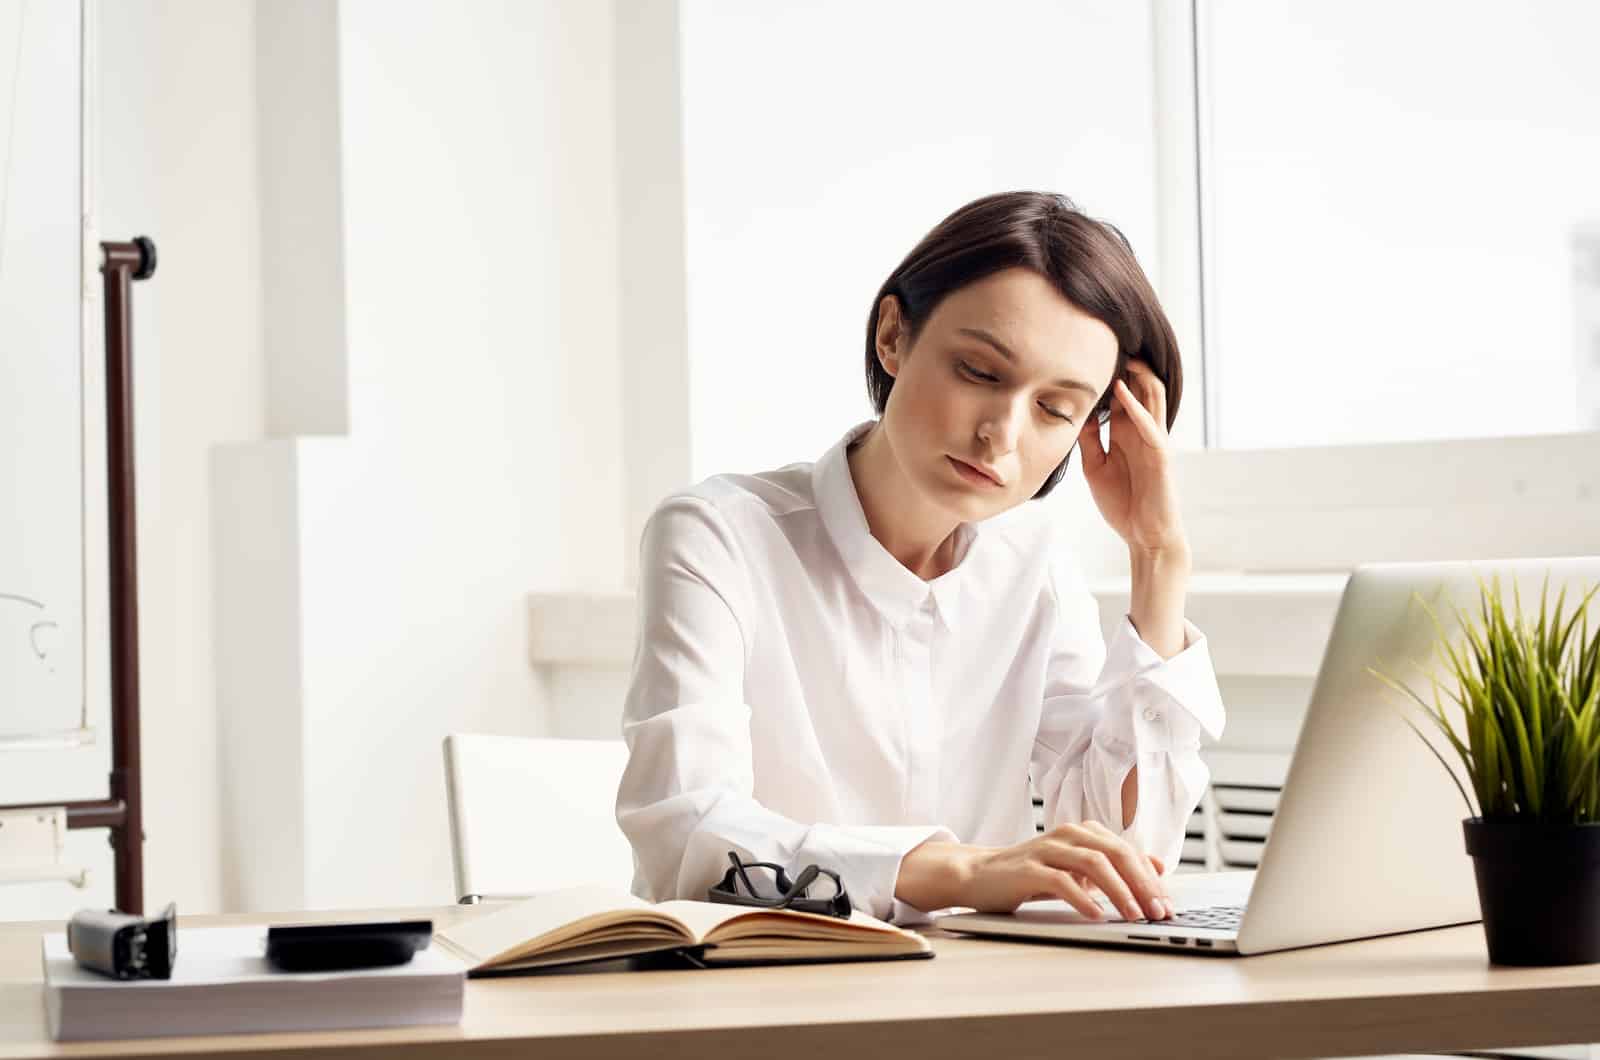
[1089, 262]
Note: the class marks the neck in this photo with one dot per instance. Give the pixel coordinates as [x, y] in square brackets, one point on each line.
[921, 537]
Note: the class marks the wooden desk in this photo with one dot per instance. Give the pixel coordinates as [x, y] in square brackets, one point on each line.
[1425, 991]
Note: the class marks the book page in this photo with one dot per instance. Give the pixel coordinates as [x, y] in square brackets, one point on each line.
[547, 921]
[579, 954]
[716, 922]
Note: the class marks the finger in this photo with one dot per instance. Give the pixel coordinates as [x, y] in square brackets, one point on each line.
[1080, 857]
[1103, 870]
[1119, 425]
[1139, 387]
[1094, 451]
[1157, 866]
[1141, 870]
[1130, 866]
[1058, 884]
[1152, 391]
[1140, 417]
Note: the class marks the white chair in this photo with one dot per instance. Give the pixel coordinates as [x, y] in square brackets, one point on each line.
[530, 815]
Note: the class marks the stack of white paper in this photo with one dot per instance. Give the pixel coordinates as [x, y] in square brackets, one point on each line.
[222, 984]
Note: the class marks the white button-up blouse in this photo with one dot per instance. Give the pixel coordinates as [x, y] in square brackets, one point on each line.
[799, 696]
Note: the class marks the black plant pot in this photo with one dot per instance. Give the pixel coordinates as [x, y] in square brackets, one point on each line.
[1539, 888]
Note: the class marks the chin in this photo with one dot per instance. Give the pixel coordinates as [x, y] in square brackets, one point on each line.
[967, 501]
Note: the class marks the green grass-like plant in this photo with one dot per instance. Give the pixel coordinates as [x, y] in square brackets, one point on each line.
[1529, 695]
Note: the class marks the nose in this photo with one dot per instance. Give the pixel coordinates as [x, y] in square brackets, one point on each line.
[1003, 424]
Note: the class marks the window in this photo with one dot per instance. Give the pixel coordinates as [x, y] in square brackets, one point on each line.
[1324, 450]
[1374, 228]
[1404, 219]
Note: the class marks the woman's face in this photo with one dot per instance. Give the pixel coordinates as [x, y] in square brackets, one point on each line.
[1003, 376]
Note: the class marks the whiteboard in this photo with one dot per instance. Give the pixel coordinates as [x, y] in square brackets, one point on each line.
[41, 369]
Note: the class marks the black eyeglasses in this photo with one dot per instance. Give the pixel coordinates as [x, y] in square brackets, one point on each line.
[767, 886]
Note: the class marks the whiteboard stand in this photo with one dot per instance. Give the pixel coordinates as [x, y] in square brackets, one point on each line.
[123, 811]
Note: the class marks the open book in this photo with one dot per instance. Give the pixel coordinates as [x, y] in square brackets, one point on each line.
[597, 923]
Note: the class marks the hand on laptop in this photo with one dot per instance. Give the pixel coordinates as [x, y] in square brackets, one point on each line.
[1074, 862]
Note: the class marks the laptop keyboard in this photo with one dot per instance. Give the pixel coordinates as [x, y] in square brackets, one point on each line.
[1223, 917]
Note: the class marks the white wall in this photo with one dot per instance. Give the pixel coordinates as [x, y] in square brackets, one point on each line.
[302, 254]
[206, 389]
[652, 327]
[480, 297]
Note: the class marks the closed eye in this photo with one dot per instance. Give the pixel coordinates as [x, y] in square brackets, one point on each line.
[973, 373]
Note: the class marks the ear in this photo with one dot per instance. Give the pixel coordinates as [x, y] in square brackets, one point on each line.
[890, 340]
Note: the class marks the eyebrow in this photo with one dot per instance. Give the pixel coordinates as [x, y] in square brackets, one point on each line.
[1004, 351]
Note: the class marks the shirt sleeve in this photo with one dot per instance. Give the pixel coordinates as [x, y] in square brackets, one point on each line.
[1110, 707]
[686, 796]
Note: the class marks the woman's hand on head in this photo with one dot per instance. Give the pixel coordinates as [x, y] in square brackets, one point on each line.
[1074, 863]
[1131, 478]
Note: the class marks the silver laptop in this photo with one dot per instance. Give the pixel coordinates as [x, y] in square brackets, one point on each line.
[1367, 836]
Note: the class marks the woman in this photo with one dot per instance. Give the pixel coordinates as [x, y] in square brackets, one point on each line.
[859, 663]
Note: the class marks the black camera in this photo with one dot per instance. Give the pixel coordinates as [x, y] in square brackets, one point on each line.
[123, 945]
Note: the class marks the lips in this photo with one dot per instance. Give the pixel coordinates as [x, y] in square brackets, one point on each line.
[975, 470]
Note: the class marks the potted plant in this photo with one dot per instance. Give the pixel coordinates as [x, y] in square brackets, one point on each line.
[1528, 699]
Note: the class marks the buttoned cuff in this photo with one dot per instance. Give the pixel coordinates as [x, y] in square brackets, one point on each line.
[1166, 703]
[867, 858]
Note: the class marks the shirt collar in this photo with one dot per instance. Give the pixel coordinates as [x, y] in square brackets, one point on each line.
[892, 588]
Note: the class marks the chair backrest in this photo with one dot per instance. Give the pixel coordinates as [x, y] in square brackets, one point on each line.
[530, 815]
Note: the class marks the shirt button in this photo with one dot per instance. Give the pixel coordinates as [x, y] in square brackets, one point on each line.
[1152, 714]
